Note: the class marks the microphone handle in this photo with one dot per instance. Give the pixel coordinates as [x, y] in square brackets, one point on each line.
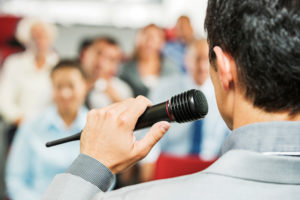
[153, 114]
[64, 140]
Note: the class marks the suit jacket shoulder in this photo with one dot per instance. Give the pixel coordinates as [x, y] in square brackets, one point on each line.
[237, 175]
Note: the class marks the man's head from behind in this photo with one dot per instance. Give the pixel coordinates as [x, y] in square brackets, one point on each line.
[260, 38]
[197, 62]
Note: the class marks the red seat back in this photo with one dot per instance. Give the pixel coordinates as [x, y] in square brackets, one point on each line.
[168, 166]
[7, 26]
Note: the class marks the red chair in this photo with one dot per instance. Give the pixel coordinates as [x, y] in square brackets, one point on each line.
[168, 166]
[8, 25]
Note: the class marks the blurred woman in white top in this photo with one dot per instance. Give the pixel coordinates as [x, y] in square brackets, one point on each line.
[25, 86]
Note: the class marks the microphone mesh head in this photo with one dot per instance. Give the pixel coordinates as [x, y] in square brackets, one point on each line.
[188, 106]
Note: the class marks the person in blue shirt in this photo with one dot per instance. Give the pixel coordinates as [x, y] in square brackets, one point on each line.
[175, 50]
[31, 166]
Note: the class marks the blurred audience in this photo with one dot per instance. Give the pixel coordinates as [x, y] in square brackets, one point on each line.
[31, 166]
[184, 34]
[87, 60]
[148, 65]
[25, 87]
[84, 45]
[107, 88]
[201, 138]
[25, 92]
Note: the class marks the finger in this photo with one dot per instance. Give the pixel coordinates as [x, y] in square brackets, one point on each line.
[156, 132]
[135, 110]
[120, 107]
[112, 111]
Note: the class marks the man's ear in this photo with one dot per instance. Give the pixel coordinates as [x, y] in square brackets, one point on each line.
[224, 67]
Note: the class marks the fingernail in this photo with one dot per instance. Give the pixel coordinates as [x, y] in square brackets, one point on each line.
[164, 126]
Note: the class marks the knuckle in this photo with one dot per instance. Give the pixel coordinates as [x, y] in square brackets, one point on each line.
[100, 113]
[140, 97]
[130, 99]
[142, 153]
[143, 99]
[154, 138]
[91, 113]
[122, 120]
[109, 113]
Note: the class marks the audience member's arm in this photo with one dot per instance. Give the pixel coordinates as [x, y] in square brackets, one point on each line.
[107, 147]
[19, 170]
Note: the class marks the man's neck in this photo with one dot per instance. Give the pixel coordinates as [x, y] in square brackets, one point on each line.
[245, 113]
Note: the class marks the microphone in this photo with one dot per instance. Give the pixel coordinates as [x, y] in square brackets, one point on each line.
[187, 106]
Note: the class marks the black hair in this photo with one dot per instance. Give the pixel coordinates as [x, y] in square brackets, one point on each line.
[109, 40]
[71, 64]
[263, 37]
[84, 44]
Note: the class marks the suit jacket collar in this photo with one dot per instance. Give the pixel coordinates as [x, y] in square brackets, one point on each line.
[244, 153]
[255, 166]
[283, 136]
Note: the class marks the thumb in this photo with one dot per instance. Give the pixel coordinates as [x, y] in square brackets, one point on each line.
[156, 132]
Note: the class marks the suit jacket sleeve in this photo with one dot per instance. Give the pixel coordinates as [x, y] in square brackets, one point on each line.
[82, 181]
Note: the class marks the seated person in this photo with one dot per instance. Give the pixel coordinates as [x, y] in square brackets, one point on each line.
[184, 35]
[86, 57]
[203, 138]
[25, 87]
[107, 88]
[148, 65]
[31, 166]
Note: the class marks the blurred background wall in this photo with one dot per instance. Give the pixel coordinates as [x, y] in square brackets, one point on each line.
[78, 19]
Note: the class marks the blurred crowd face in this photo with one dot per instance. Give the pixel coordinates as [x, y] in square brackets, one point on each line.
[41, 38]
[87, 61]
[150, 40]
[184, 29]
[197, 61]
[69, 90]
[107, 61]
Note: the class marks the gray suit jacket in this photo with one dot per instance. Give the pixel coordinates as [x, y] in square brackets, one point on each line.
[273, 172]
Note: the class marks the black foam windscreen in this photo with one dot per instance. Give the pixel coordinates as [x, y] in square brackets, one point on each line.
[188, 106]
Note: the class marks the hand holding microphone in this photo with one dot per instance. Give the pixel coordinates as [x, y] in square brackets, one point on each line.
[108, 134]
[187, 106]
